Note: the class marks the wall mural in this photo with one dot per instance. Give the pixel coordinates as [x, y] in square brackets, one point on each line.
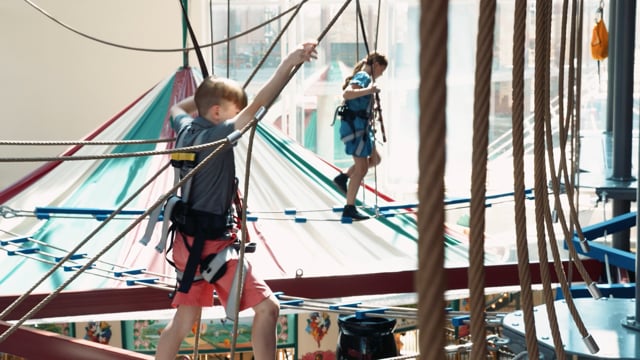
[318, 335]
[215, 335]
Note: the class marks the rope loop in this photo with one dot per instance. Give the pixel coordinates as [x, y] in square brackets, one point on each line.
[7, 212]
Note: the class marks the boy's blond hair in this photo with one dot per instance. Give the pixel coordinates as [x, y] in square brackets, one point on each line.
[214, 89]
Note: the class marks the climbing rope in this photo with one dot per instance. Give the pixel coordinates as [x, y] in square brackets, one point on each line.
[430, 275]
[194, 40]
[252, 126]
[524, 272]
[571, 125]
[114, 155]
[375, 109]
[482, 101]
[547, 213]
[541, 86]
[90, 142]
[274, 43]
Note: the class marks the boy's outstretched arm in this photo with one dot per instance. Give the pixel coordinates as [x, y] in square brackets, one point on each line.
[271, 89]
[185, 106]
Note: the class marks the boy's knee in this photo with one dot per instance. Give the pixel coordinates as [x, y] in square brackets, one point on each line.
[268, 307]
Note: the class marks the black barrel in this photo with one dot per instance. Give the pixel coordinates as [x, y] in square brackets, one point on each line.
[365, 339]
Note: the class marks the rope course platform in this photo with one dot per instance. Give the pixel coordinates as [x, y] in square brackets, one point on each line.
[290, 213]
[388, 251]
[106, 270]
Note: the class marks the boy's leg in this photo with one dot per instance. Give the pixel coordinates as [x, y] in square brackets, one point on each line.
[177, 329]
[263, 336]
[256, 295]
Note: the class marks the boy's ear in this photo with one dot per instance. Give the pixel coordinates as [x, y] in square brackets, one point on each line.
[214, 111]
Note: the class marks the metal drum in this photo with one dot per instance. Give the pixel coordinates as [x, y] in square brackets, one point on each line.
[369, 338]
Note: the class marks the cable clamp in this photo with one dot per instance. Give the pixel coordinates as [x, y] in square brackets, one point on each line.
[7, 212]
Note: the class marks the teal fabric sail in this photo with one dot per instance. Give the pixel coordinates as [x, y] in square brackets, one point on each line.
[294, 210]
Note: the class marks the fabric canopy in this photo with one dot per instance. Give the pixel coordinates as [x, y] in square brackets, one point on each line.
[294, 210]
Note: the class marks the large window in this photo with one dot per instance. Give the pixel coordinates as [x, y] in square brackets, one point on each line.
[307, 108]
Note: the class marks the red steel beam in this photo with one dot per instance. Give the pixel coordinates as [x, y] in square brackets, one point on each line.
[32, 343]
[104, 301]
[37, 344]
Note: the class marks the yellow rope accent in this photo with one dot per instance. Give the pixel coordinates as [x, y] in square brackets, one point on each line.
[183, 156]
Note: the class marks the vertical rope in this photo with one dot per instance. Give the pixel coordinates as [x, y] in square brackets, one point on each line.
[194, 40]
[375, 108]
[196, 344]
[481, 108]
[375, 39]
[228, 36]
[185, 54]
[252, 128]
[541, 108]
[576, 124]
[213, 67]
[273, 44]
[553, 244]
[564, 129]
[524, 273]
[430, 277]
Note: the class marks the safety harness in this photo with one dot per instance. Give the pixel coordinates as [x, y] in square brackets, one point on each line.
[347, 115]
[178, 216]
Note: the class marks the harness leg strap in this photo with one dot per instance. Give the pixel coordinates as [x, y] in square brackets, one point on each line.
[192, 263]
[153, 220]
[233, 293]
[210, 272]
[166, 222]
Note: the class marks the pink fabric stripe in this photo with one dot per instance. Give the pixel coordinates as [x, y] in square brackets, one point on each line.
[14, 189]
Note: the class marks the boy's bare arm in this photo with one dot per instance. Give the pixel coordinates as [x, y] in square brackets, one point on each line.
[185, 106]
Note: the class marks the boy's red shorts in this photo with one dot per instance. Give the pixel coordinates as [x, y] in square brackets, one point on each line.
[255, 290]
